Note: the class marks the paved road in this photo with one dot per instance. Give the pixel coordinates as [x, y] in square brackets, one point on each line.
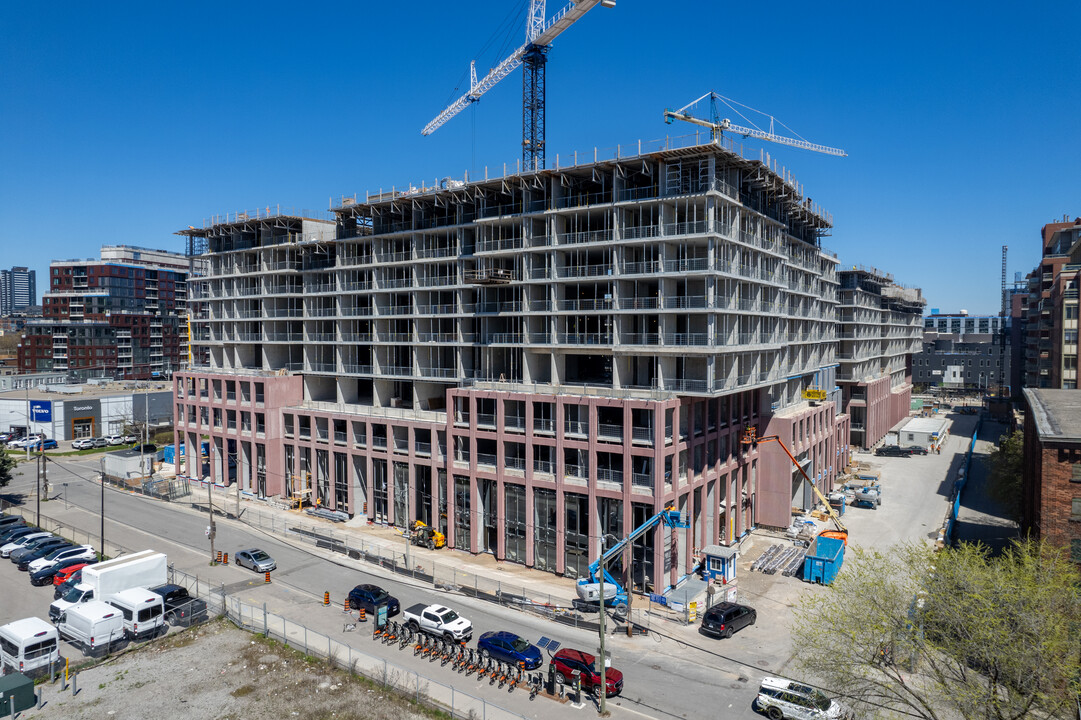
[981, 519]
[664, 678]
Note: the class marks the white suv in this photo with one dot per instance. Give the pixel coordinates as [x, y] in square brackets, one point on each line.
[83, 552]
[781, 699]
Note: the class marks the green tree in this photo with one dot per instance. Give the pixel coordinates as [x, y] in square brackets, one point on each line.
[1006, 468]
[7, 464]
[961, 633]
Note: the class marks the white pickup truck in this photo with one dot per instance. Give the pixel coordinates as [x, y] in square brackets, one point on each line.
[438, 620]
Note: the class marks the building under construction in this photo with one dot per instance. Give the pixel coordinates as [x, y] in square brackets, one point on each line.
[535, 362]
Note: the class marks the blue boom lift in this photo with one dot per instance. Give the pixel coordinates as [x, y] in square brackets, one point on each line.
[615, 595]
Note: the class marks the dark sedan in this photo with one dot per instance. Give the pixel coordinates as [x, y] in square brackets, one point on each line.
[509, 648]
[370, 597]
[45, 575]
[915, 450]
[25, 560]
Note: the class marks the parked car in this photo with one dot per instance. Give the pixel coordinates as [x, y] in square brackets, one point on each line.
[6, 520]
[780, 699]
[46, 548]
[114, 439]
[129, 439]
[915, 449]
[82, 552]
[892, 451]
[63, 588]
[71, 571]
[82, 444]
[22, 442]
[7, 548]
[41, 444]
[14, 531]
[724, 619]
[510, 648]
[255, 559]
[371, 596]
[45, 575]
[566, 661]
[100, 442]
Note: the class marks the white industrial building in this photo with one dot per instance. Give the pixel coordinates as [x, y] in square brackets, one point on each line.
[69, 412]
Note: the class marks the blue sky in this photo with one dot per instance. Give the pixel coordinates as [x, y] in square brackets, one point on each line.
[121, 123]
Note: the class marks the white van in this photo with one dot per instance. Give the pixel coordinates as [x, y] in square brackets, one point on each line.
[143, 612]
[94, 626]
[29, 646]
[782, 699]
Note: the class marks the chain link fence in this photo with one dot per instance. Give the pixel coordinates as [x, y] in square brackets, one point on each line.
[78, 536]
[408, 683]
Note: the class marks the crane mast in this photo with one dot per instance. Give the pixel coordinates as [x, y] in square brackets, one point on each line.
[533, 54]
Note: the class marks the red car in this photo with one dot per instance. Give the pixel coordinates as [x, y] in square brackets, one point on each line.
[566, 661]
[65, 574]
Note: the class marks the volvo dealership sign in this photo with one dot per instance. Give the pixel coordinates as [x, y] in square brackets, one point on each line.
[41, 411]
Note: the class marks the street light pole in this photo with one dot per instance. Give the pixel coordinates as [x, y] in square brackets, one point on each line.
[101, 552]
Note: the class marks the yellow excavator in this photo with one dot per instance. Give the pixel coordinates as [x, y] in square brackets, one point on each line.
[750, 437]
[424, 536]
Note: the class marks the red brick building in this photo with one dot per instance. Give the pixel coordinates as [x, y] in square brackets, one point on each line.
[1051, 494]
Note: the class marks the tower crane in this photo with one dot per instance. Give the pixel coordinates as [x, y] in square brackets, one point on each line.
[717, 125]
[533, 54]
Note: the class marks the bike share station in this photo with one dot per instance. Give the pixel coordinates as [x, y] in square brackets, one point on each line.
[473, 662]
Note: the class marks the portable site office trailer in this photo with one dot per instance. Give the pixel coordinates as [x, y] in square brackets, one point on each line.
[93, 625]
[142, 610]
[29, 646]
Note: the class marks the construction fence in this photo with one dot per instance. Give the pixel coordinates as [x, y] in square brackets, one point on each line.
[408, 683]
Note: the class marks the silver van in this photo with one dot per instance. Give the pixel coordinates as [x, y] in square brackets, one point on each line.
[782, 699]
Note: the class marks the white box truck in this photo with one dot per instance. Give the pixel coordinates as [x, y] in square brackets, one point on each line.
[142, 611]
[94, 626]
[29, 646]
[102, 581]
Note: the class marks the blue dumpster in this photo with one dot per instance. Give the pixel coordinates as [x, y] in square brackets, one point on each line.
[823, 559]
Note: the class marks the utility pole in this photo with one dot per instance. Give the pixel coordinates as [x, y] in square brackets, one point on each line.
[213, 529]
[28, 423]
[101, 551]
[38, 468]
[601, 659]
[44, 473]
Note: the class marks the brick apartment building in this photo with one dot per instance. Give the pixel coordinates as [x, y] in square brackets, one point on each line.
[538, 362]
[1051, 497]
[122, 316]
[1051, 357]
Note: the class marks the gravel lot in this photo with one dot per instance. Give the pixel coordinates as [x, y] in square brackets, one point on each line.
[217, 672]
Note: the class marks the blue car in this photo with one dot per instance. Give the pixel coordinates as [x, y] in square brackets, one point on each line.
[48, 444]
[509, 648]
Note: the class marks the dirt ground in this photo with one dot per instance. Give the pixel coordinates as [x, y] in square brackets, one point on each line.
[217, 672]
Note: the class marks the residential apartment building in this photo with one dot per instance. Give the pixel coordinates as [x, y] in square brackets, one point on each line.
[18, 289]
[1051, 490]
[970, 362]
[537, 363]
[879, 328]
[123, 316]
[1051, 357]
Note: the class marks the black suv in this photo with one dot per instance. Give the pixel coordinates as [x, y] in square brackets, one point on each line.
[892, 451]
[725, 618]
[370, 597]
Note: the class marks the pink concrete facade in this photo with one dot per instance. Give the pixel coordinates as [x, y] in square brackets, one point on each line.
[818, 438]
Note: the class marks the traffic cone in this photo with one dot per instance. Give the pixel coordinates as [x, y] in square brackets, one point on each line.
[363, 617]
[267, 580]
[326, 598]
